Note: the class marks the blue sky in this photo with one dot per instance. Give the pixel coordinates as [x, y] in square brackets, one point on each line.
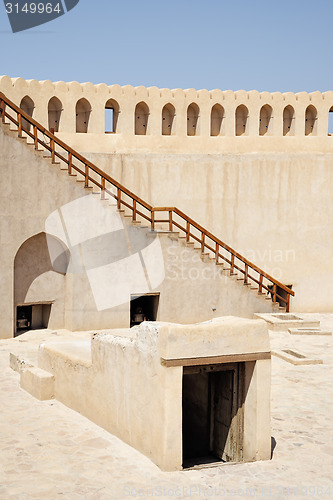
[273, 45]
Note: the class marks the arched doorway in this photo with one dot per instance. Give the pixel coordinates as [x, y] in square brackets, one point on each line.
[242, 120]
[28, 106]
[168, 115]
[288, 121]
[83, 110]
[54, 114]
[311, 120]
[40, 267]
[111, 116]
[141, 118]
[265, 120]
[216, 120]
[192, 119]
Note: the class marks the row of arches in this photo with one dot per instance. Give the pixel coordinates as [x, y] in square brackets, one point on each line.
[141, 118]
[266, 120]
[217, 119]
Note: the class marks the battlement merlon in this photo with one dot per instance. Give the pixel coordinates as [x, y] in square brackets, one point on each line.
[198, 121]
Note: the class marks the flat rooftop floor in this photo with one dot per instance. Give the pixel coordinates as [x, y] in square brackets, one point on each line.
[48, 451]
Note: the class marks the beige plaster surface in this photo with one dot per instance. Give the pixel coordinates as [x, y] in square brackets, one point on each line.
[81, 298]
[272, 207]
[190, 116]
[38, 383]
[221, 336]
[268, 196]
[49, 451]
[126, 389]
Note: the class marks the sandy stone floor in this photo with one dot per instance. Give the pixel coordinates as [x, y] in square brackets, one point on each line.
[50, 452]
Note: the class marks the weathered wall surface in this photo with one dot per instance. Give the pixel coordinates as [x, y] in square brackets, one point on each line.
[109, 258]
[126, 390]
[276, 209]
[30, 190]
[266, 193]
[177, 120]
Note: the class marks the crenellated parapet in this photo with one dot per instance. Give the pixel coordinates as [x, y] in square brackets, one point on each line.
[128, 111]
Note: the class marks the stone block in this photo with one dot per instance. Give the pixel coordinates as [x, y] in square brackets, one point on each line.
[309, 331]
[18, 364]
[296, 358]
[38, 383]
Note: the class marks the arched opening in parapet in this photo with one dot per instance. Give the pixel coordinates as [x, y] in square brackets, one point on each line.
[242, 114]
[54, 114]
[27, 105]
[216, 120]
[83, 110]
[40, 265]
[141, 118]
[330, 121]
[288, 121]
[192, 119]
[310, 120]
[265, 120]
[111, 116]
[168, 115]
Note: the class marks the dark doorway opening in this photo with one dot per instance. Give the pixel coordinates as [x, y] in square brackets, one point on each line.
[212, 414]
[32, 317]
[23, 319]
[330, 121]
[144, 308]
[282, 299]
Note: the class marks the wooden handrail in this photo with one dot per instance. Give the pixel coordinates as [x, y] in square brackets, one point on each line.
[67, 148]
[88, 166]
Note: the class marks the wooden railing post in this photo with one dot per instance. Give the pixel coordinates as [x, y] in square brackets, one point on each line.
[170, 220]
[2, 107]
[70, 159]
[103, 188]
[288, 302]
[188, 227]
[118, 198]
[35, 137]
[246, 274]
[274, 293]
[232, 263]
[260, 283]
[134, 210]
[202, 242]
[217, 253]
[86, 176]
[52, 150]
[152, 220]
[19, 120]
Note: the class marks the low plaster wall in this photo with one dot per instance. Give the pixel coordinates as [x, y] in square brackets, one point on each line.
[128, 391]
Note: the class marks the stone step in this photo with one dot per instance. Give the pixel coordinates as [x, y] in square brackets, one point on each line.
[39, 383]
[309, 331]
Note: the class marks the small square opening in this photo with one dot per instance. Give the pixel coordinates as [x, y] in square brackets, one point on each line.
[32, 317]
[143, 308]
[23, 319]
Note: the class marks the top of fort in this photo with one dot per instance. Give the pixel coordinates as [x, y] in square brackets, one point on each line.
[153, 91]
[137, 119]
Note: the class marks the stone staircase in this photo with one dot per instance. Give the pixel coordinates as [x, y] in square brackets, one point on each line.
[136, 211]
